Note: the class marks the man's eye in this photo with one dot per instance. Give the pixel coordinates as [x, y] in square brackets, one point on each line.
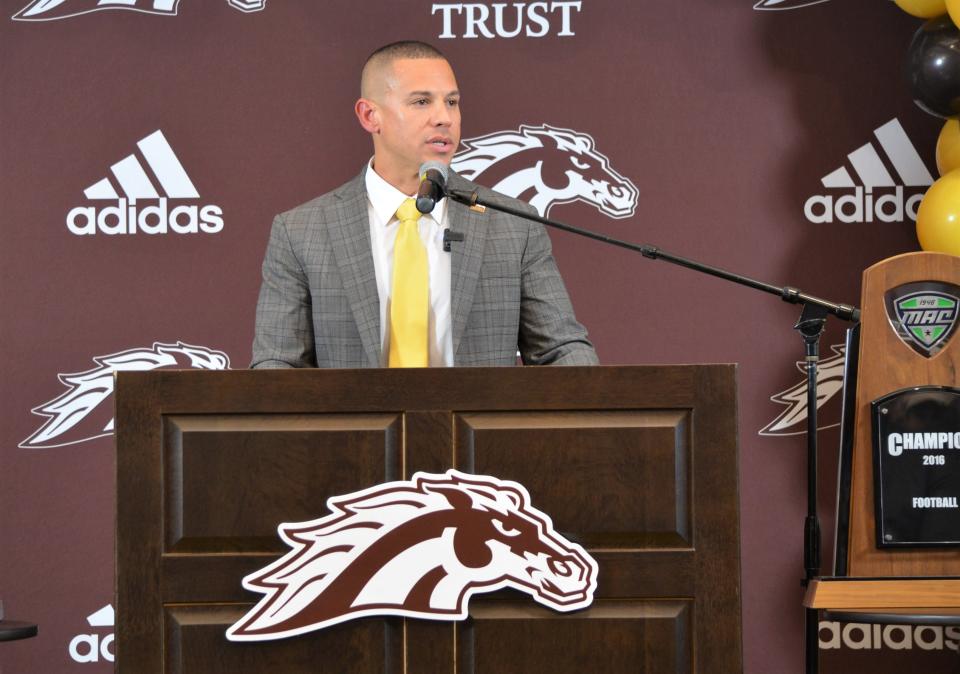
[453, 102]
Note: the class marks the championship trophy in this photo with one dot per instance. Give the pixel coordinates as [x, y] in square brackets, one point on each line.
[898, 519]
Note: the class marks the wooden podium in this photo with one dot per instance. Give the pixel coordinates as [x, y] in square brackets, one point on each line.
[637, 464]
[873, 575]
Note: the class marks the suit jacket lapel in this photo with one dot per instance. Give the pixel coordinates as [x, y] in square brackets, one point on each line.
[350, 239]
[465, 264]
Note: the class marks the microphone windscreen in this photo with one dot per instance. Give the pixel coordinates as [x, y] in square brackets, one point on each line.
[437, 166]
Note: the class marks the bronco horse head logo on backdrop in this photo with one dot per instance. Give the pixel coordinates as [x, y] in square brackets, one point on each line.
[85, 410]
[50, 10]
[546, 165]
[417, 548]
[786, 4]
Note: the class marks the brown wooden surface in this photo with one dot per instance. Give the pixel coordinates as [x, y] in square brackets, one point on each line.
[887, 365]
[905, 595]
[638, 464]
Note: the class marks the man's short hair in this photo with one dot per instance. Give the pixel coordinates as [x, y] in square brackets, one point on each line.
[405, 49]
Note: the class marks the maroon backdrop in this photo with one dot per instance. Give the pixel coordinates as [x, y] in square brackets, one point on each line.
[720, 123]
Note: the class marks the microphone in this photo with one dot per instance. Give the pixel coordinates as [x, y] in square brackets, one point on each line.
[433, 181]
[450, 236]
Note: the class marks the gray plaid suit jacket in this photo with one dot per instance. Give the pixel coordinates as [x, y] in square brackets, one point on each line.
[319, 305]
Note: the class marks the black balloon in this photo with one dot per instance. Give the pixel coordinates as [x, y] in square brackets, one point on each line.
[933, 67]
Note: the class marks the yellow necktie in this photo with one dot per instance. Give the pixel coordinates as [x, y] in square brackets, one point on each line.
[410, 298]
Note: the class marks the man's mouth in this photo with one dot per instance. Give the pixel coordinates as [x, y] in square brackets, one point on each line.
[443, 144]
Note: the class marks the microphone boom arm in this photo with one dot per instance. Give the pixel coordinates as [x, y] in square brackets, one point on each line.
[786, 293]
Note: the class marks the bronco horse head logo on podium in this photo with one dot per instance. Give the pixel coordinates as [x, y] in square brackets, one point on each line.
[418, 548]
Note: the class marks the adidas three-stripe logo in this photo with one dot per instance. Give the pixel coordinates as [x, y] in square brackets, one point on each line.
[870, 169]
[889, 203]
[169, 181]
[133, 179]
[50, 10]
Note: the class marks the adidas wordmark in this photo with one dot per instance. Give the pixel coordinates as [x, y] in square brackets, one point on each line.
[145, 204]
[890, 202]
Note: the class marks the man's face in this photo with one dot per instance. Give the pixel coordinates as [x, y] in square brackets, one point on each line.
[419, 116]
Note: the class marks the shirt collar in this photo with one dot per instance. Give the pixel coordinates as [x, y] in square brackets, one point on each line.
[386, 199]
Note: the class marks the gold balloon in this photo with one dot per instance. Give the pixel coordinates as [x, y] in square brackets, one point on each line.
[938, 218]
[924, 9]
[948, 147]
[953, 6]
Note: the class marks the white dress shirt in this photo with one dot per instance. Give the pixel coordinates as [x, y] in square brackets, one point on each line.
[383, 200]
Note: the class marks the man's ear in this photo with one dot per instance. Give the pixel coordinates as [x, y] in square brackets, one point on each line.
[368, 115]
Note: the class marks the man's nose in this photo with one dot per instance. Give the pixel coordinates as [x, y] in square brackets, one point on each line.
[441, 114]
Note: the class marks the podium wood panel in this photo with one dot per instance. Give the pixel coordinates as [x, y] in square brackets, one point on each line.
[514, 638]
[887, 364]
[194, 637]
[638, 464]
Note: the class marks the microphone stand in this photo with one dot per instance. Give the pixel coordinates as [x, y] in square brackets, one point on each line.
[813, 318]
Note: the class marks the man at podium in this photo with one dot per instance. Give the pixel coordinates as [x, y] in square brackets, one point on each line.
[359, 278]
